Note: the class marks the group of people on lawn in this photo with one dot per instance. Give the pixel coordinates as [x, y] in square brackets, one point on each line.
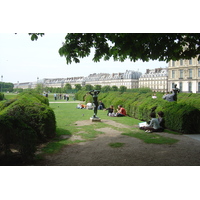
[90, 106]
[154, 125]
[120, 111]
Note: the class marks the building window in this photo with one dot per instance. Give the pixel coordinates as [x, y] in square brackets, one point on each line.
[198, 72]
[190, 73]
[173, 63]
[172, 85]
[190, 61]
[181, 62]
[181, 86]
[189, 87]
[181, 73]
[173, 73]
[198, 86]
[198, 61]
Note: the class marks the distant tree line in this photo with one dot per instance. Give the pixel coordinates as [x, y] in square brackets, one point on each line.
[88, 87]
[4, 87]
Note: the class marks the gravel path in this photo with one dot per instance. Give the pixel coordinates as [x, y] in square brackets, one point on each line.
[135, 152]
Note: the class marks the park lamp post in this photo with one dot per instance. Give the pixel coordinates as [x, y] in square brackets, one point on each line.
[1, 82]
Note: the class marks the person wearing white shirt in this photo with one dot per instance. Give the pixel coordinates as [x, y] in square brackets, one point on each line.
[89, 106]
[154, 96]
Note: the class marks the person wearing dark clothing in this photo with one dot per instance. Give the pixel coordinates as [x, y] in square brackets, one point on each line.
[110, 110]
[101, 105]
[161, 120]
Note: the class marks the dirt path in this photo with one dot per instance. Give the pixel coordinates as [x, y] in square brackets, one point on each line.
[135, 152]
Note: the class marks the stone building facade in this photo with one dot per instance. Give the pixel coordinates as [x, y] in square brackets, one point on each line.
[129, 79]
[186, 74]
[155, 79]
[61, 82]
[25, 85]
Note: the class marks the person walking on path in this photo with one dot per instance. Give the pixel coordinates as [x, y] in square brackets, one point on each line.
[55, 96]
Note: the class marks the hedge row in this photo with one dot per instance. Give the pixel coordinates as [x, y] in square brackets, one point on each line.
[25, 122]
[1, 96]
[182, 116]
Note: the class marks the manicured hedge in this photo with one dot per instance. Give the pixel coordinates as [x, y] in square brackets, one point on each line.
[31, 94]
[182, 116]
[81, 95]
[1, 96]
[25, 122]
[190, 99]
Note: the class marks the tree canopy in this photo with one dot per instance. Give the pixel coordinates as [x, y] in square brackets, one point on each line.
[133, 46]
[34, 36]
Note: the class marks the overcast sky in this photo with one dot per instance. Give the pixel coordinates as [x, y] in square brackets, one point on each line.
[23, 60]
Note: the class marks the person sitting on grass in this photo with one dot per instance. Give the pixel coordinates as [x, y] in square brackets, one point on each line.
[154, 96]
[79, 106]
[121, 112]
[83, 106]
[154, 125]
[89, 106]
[110, 111]
[161, 120]
[101, 105]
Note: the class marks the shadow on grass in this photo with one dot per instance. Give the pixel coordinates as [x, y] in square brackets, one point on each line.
[151, 138]
[61, 131]
[61, 138]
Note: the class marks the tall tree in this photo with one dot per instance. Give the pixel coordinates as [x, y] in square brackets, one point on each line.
[68, 86]
[78, 86]
[88, 87]
[39, 88]
[114, 88]
[4, 87]
[97, 87]
[133, 46]
[106, 88]
[122, 88]
[34, 36]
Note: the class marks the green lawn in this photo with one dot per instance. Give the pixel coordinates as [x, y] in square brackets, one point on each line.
[9, 95]
[67, 115]
[50, 97]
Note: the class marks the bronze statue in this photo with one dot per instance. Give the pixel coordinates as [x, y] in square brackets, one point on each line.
[175, 90]
[173, 96]
[94, 94]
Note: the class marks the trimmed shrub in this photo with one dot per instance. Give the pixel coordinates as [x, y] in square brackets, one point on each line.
[81, 95]
[30, 94]
[27, 138]
[1, 96]
[7, 103]
[182, 116]
[25, 122]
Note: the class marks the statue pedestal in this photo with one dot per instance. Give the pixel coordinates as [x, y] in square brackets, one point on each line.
[95, 119]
